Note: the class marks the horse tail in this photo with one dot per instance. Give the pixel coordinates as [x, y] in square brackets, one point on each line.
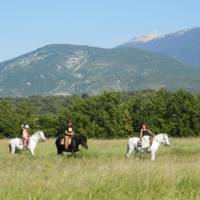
[127, 149]
[9, 146]
[128, 146]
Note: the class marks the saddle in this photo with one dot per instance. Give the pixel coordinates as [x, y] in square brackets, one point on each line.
[139, 144]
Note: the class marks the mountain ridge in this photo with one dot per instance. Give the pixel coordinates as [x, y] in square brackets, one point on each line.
[65, 69]
[183, 45]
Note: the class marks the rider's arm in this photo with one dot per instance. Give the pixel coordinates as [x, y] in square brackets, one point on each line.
[151, 132]
[141, 131]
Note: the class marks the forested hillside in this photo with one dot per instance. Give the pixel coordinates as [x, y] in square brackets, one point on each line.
[109, 115]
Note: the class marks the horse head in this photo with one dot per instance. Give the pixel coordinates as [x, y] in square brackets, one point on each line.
[162, 138]
[41, 136]
[165, 139]
[83, 141]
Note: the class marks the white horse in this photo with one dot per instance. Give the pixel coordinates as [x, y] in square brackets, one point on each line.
[161, 138]
[17, 144]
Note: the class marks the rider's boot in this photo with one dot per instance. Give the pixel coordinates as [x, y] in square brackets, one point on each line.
[24, 144]
[149, 148]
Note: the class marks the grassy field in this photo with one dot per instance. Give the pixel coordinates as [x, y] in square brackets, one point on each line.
[102, 172]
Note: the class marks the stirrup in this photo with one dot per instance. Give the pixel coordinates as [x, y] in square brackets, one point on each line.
[139, 144]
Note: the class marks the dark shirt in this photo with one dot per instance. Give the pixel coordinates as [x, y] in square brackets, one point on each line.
[146, 132]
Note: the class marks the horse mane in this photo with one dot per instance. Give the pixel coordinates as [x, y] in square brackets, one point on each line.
[37, 132]
[81, 136]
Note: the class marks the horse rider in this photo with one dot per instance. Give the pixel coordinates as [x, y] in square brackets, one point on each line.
[146, 131]
[25, 135]
[68, 134]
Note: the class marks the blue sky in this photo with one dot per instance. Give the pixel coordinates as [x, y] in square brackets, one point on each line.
[27, 25]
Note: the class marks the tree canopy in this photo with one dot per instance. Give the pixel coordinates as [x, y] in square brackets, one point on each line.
[109, 115]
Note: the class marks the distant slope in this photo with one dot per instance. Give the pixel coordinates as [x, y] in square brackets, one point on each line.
[183, 45]
[69, 69]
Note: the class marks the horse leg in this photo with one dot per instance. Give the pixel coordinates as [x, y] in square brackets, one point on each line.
[139, 153]
[60, 148]
[74, 154]
[32, 151]
[59, 151]
[12, 148]
[153, 155]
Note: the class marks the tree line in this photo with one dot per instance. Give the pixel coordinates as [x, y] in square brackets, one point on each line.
[108, 115]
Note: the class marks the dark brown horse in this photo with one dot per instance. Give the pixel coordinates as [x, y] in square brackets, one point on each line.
[74, 146]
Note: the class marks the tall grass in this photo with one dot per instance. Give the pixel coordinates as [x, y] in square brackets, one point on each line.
[102, 172]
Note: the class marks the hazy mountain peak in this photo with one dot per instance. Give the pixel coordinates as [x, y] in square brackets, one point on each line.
[183, 45]
[146, 38]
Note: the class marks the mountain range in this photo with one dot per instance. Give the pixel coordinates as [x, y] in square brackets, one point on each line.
[62, 69]
[183, 45]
